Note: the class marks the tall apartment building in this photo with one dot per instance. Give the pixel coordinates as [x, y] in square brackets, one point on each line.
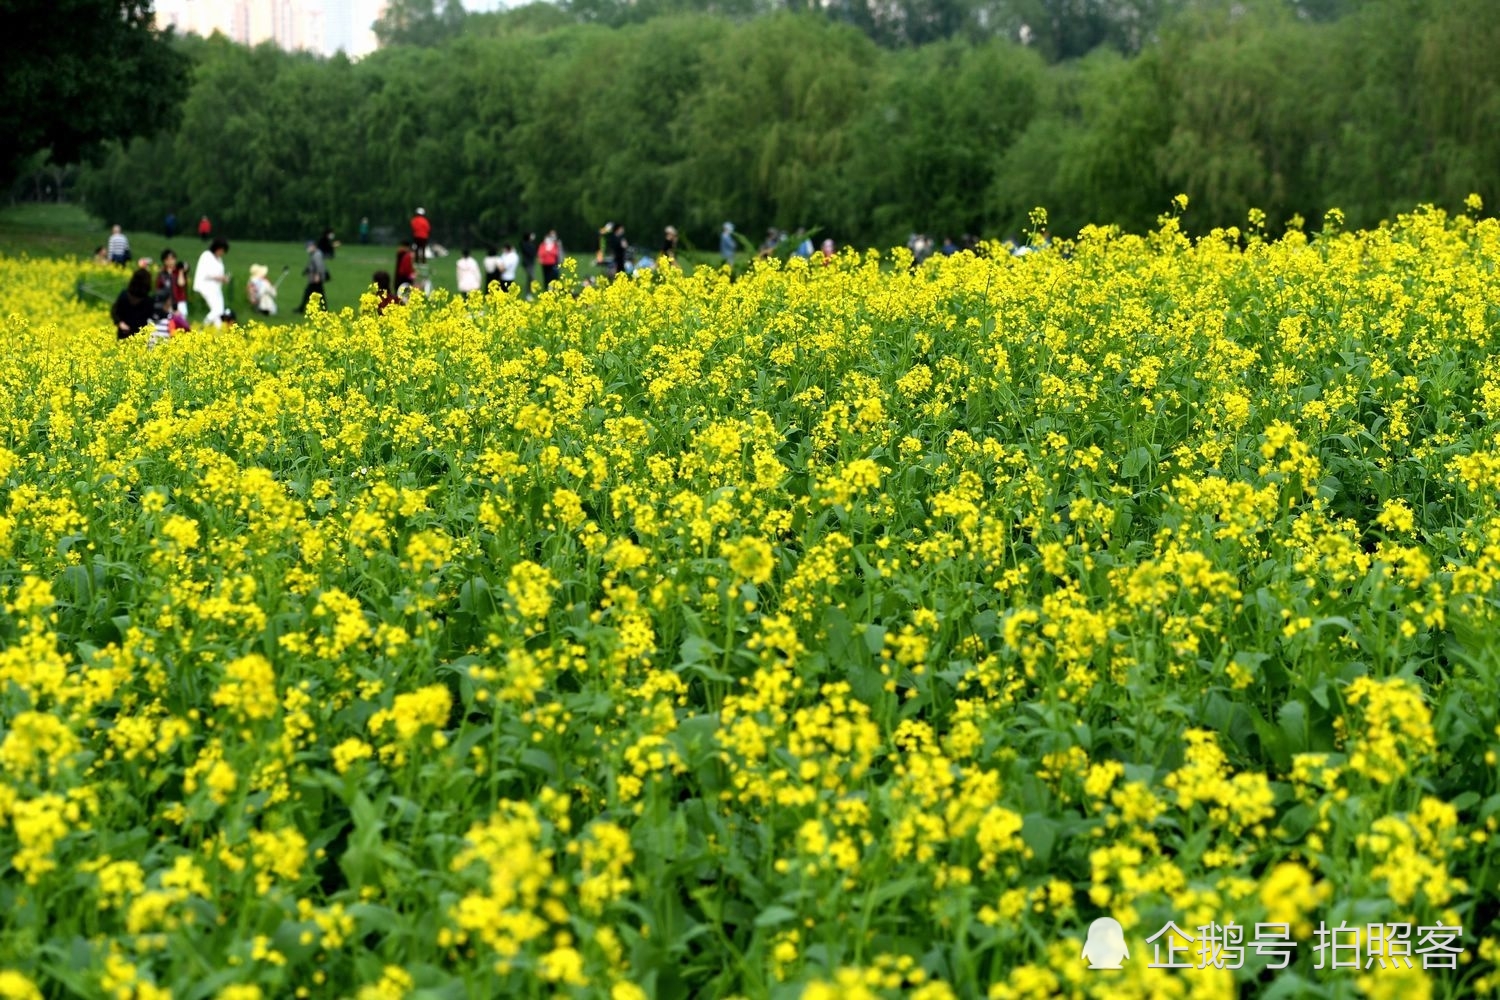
[290, 24]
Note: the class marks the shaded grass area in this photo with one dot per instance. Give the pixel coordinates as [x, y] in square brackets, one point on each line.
[67, 230]
[43, 229]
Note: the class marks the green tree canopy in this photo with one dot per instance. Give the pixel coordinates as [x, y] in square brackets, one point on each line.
[530, 120]
[419, 22]
[78, 72]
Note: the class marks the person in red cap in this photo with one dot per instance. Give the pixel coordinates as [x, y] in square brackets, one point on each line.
[421, 230]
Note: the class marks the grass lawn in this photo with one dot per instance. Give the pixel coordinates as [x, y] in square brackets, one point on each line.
[67, 230]
[39, 229]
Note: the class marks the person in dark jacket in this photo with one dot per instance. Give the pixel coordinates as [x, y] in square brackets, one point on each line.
[163, 288]
[528, 261]
[388, 298]
[135, 309]
[317, 275]
[328, 244]
[619, 250]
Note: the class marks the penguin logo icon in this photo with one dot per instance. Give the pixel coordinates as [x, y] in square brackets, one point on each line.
[1106, 947]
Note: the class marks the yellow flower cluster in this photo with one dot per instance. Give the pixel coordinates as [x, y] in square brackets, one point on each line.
[851, 630]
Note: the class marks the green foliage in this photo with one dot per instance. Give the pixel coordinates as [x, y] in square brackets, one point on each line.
[530, 120]
[1245, 82]
[769, 126]
[82, 71]
[419, 22]
[928, 141]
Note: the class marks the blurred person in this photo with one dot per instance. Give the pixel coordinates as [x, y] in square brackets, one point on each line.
[406, 267]
[118, 247]
[606, 234]
[528, 260]
[382, 281]
[166, 280]
[163, 327]
[364, 229]
[101, 255]
[920, 246]
[169, 224]
[510, 262]
[468, 275]
[260, 291]
[491, 265]
[828, 249]
[804, 244]
[328, 244]
[619, 252]
[209, 279]
[205, 228]
[669, 244]
[317, 276]
[550, 256]
[180, 290]
[768, 245]
[421, 232]
[134, 309]
[726, 243]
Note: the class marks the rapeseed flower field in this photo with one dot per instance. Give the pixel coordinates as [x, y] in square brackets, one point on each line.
[846, 630]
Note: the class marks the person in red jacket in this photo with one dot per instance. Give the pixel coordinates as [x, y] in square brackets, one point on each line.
[406, 269]
[205, 229]
[421, 230]
[550, 256]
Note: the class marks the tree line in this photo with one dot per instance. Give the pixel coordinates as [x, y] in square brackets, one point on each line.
[78, 72]
[551, 116]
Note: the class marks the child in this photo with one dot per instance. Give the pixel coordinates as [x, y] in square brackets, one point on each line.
[260, 291]
[167, 327]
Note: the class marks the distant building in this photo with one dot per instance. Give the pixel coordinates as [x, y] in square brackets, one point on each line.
[289, 24]
[323, 26]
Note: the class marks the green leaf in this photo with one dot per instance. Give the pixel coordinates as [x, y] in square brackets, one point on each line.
[775, 916]
[1292, 718]
[1135, 461]
[1040, 834]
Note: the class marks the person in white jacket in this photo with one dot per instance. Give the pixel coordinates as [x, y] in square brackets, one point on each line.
[510, 262]
[209, 279]
[470, 279]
